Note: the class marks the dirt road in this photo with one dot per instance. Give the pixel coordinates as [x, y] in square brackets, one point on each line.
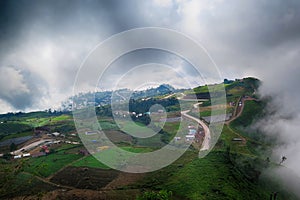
[32, 145]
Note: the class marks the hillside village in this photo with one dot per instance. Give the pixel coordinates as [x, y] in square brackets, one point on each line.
[49, 152]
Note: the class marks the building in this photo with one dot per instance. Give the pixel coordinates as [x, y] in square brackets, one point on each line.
[192, 131]
[18, 156]
[38, 154]
[189, 137]
[237, 139]
[177, 138]
[55, 134]
[90, 132]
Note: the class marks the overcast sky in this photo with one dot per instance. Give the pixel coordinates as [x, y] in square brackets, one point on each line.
[43, 43]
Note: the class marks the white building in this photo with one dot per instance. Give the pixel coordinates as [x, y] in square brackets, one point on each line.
[189, 137]
[26, 154]
[55, 134]
[18, 156]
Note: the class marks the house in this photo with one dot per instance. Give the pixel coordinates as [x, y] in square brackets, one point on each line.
[26, 154]
[55, 134]
[38, 154]
[18, 156]
[75, 143]
[83, 152]
[177, 138]
[90, 132]
[237, 139]
[45, 148]
[192, 131]
[189, 137]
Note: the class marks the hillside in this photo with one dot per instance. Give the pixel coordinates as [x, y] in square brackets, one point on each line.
[234, 169]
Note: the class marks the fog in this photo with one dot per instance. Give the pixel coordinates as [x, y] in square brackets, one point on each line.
[43, 43]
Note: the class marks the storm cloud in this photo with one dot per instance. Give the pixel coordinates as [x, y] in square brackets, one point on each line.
[50, 39]
[43, 43]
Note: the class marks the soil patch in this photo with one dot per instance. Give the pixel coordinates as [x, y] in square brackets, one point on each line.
[85, 178]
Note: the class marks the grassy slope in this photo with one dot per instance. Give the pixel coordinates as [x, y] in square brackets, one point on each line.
[46, 165]
[230, 171]
[213, 177]
[226, 173]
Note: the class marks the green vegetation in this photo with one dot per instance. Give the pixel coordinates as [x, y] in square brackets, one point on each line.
[26, 184]
[90, 161]
[7, 128]
[152, 195]
[61, 118]
[225, 141]
[16, 135]
[46, 165]
[232, 170]
[253, 110]
[215, 177]
[108, 125]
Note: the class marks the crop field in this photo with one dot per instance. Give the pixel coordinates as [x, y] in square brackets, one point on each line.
[118, 137]
[90, 161]
[85, 178]
[61, 118]
[25, 184]
[13, 127]
[44, 166]
[16, 135]
[108, 125]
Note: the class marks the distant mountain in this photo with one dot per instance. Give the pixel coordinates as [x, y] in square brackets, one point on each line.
[104, 98]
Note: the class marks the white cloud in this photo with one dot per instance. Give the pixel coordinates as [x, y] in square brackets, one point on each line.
[12, 82]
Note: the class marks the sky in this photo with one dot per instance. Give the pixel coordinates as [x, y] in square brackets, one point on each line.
[43, 44]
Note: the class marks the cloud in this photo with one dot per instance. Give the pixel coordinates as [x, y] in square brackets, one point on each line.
[14, 88]
[50, 40]
[46, 41]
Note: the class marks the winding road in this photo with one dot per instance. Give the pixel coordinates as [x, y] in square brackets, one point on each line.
[207, 136]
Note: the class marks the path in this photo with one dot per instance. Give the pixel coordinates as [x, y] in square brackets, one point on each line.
[166, 97]
[45, 180]
[64, 167]
[238, 111]
[197, 104]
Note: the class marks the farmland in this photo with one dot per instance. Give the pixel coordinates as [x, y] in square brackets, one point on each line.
[234, 169]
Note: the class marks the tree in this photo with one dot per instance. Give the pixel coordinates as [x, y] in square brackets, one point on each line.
[13, 147]
[282, 159]
[151, 195]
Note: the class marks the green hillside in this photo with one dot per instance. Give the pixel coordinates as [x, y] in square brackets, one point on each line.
[232, 170]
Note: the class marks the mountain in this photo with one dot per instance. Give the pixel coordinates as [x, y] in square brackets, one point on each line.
[61, 168]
